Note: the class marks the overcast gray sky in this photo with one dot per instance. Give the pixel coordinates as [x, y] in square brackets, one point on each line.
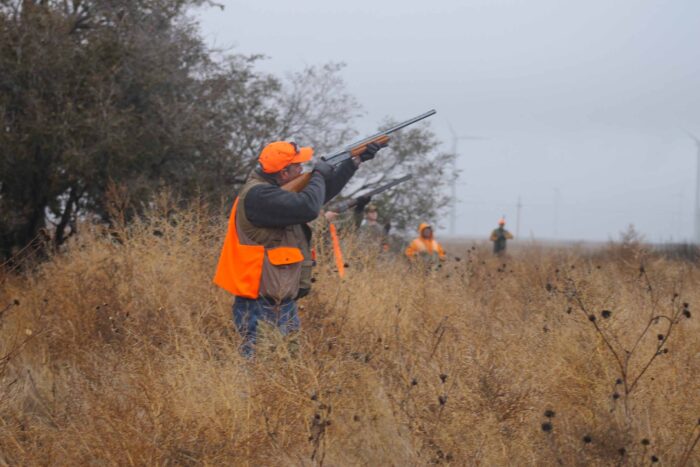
[583, 102]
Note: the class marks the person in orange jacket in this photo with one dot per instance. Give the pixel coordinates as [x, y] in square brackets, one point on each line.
[425, 246]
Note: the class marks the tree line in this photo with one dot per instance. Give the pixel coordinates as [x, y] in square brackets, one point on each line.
[105, 93]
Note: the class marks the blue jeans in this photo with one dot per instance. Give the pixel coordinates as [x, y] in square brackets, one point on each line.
[247, 313]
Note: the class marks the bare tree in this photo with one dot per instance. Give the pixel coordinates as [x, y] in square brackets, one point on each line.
[317, 109]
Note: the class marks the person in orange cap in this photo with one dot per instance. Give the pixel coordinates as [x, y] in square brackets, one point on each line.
[499, 236]
[266, 258]
[425, 246]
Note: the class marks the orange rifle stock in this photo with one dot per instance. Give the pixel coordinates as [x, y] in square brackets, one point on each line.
[354, 150]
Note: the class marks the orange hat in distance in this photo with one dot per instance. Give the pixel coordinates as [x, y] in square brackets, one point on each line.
[501, 221]
[278, 155]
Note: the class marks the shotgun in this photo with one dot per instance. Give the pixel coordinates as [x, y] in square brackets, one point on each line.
[354, 150]
[347, 204]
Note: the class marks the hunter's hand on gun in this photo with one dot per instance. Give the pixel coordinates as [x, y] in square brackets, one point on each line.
[371, 151]
[324, 168]
[330, 215]
[362, 201]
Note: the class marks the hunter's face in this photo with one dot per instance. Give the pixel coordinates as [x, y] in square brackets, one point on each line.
[371, 215]
[427, 232]
[289, 173]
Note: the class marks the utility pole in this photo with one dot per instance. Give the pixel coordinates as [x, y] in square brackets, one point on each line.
[453, 187]
[557, 198]
[517, 219]
[696, 217]
[696, 236]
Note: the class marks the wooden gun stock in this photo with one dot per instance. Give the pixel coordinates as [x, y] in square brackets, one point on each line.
[357, 151]
[298, 183]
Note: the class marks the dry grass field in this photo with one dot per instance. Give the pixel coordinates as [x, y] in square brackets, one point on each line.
[120, 351]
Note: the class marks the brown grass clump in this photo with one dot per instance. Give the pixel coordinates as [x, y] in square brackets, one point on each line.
[120, 350]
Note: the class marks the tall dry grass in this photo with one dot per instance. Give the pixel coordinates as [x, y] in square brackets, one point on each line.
[120, 351]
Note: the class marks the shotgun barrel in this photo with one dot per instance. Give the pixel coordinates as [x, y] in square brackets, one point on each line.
[355, 149]
[345, 153]
[347, 204]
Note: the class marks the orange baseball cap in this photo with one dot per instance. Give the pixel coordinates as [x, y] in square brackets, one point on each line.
[278, 155]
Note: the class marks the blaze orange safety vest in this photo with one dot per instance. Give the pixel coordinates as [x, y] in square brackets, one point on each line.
[240, 266]
[421, 245]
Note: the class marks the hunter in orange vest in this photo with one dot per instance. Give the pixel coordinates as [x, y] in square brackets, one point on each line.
[266, 258]
[425, 246]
